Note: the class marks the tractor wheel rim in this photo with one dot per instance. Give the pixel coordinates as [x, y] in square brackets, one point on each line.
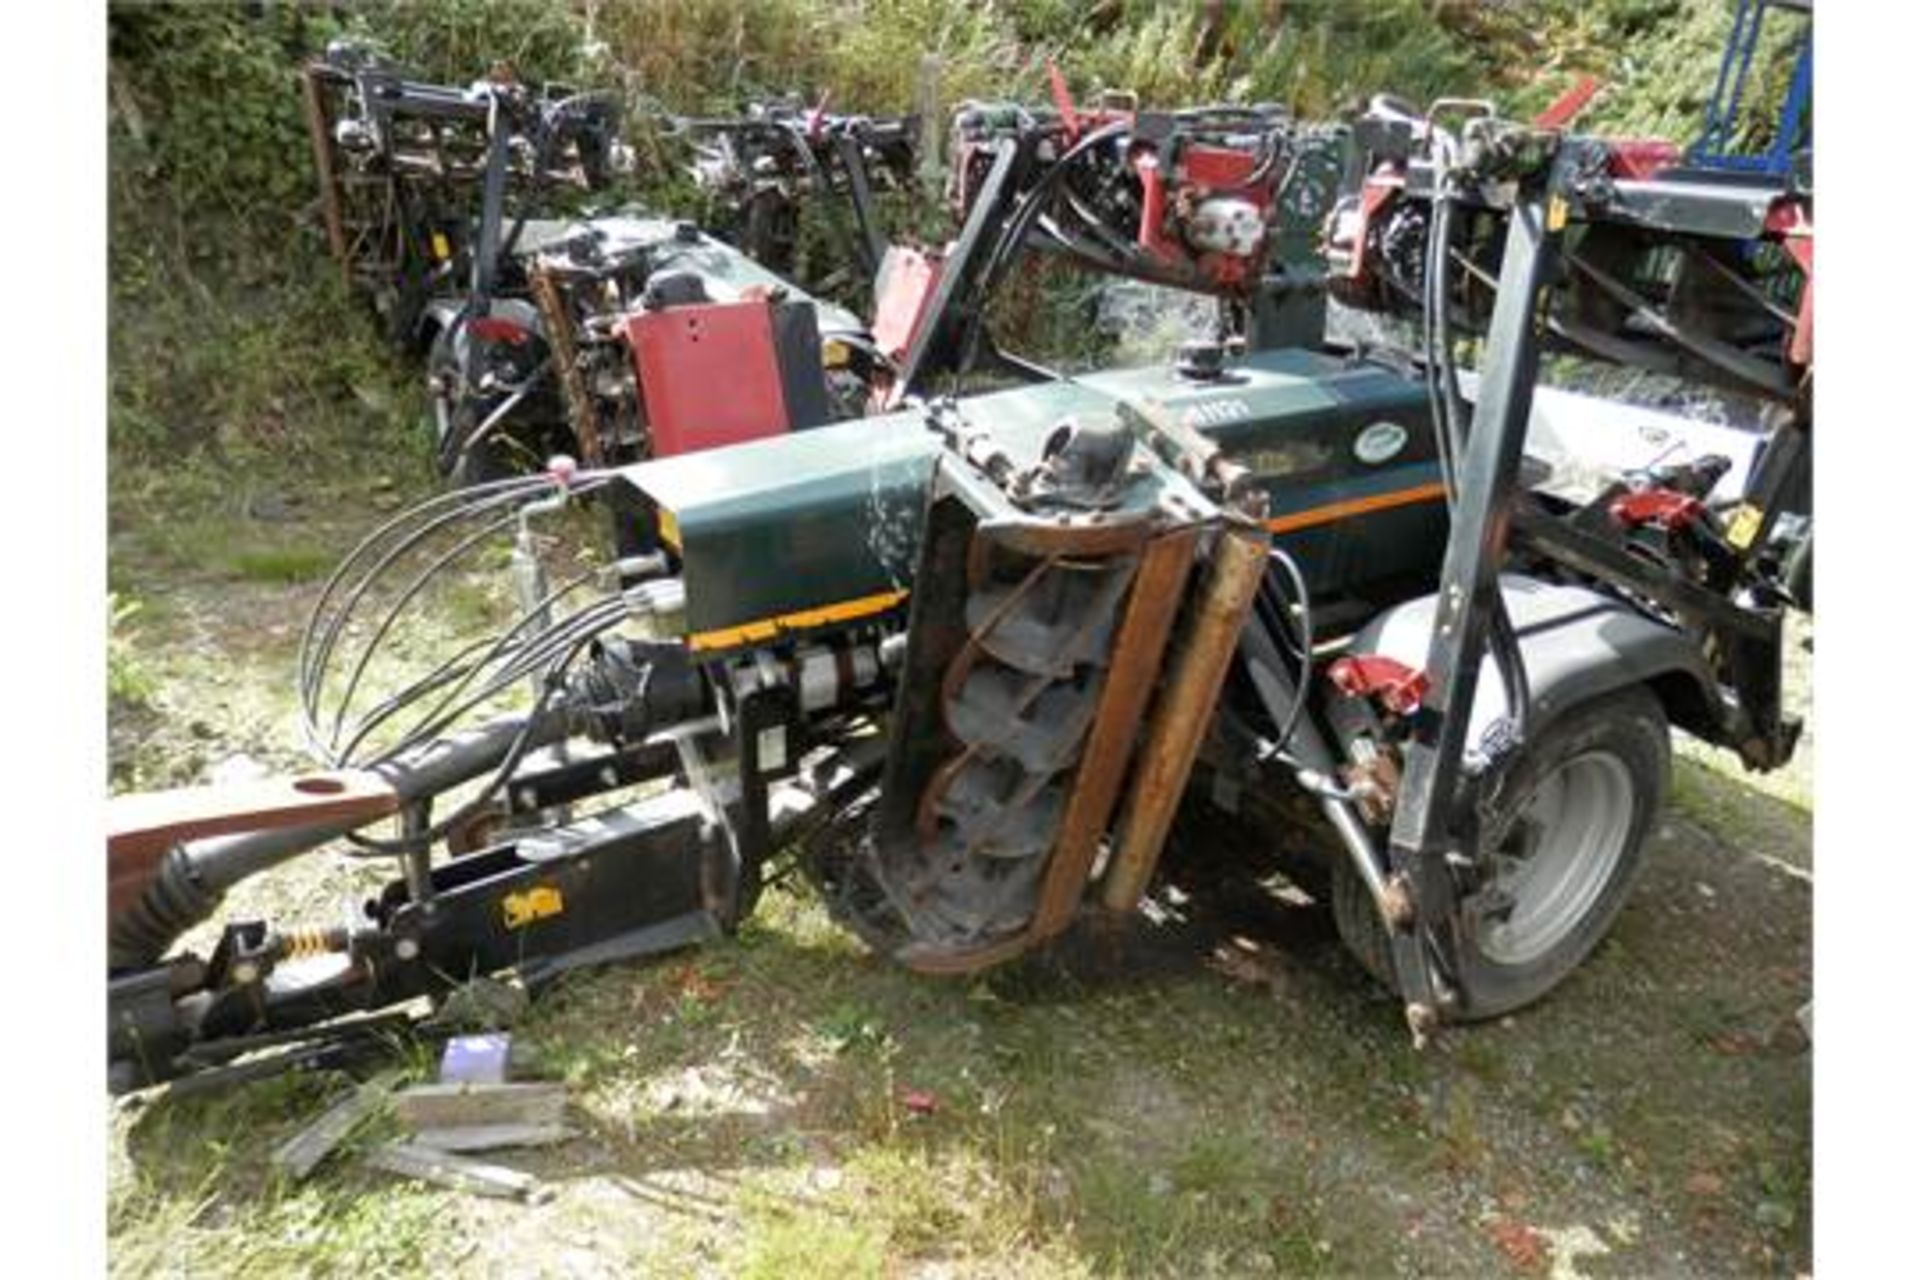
[1556, 857]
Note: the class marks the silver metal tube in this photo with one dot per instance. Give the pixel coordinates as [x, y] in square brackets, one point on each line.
[1353, 834]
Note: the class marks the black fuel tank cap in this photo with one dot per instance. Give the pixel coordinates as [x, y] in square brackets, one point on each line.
[1201, 360]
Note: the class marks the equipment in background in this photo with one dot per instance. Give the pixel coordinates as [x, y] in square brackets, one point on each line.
[546, 335]
[779, 163]
[424, 188]
[1223, 201]
[636, 322]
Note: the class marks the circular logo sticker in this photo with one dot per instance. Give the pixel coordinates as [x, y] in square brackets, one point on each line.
[1379, 442]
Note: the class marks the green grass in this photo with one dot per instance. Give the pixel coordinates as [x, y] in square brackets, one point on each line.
[129, 682]
[284, 564]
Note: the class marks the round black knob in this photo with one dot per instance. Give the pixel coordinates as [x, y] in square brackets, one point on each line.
[1201, 361]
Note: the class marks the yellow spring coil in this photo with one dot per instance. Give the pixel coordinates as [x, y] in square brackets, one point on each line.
[299, 943]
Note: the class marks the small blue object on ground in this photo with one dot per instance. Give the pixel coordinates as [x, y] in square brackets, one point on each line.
[480, 1059]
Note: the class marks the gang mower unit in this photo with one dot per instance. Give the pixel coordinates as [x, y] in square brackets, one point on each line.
[544, 334]
[967, 663]
[424, 187]
[628, 324]
[768, 168]
[1224, 201]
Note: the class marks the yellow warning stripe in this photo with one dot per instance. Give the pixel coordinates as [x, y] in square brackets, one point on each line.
[768, 628]
[1356, 507]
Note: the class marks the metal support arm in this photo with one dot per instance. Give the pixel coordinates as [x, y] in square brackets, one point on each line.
[1423, 826]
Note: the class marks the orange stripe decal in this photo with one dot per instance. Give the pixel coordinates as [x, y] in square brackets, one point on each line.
[1356, 507]
[768, 628]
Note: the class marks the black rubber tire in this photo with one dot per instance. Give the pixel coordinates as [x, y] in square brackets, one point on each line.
[1629, 725]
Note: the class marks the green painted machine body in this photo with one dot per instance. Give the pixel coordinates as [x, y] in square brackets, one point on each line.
[829, 519]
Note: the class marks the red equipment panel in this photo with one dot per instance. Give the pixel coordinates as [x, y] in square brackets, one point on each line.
[709, 374]
[908, 278]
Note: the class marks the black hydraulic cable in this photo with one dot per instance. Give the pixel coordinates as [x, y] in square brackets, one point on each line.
[586, 625]
[459, 702]
[426, 575]
[1432, 281]
[499, 493]
[457, 497]
[318, 643]
[491, 423]
[452, 670]
[1014, 233]
[316, 653]
[492, 644]
[1305, 683]
[501, 776]
[443, 716]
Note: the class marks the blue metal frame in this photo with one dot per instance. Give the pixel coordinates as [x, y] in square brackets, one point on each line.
[1713, 149]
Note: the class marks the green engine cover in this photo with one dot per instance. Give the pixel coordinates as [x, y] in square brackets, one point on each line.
[819, 527]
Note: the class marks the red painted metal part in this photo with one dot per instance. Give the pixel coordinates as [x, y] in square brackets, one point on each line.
[709, 375]
[498, 329]
[1561, 112]
[1153, 203]
[1220, 169]
[1375, 193]
[1063, 102]
[1399, 687]
[1661, 508]
[1200, 171]
[1638, 158]
[1792, 221]
[908, 278]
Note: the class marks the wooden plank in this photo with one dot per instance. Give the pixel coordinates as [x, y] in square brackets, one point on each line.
[299, 1155]
[1180, 718]
[410, 1160]
[142, 826]
[1152, 607]
[489, 1137]
[459, 1106]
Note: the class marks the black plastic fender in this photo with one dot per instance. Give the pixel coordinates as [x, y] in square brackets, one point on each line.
[1576, 644]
